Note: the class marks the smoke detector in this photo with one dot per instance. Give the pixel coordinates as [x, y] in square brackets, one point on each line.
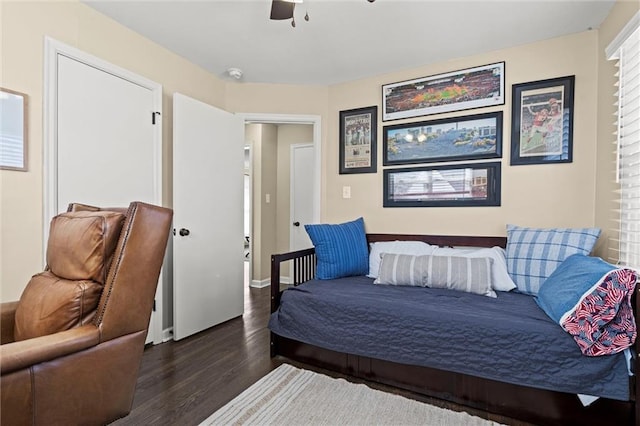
[235, 73]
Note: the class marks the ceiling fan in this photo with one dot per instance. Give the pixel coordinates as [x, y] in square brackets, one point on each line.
[283, 9]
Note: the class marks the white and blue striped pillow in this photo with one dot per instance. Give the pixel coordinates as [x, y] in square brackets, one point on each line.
[341, 250]
[533, 254]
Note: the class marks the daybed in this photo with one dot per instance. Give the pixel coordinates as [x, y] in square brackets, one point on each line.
[462, 370]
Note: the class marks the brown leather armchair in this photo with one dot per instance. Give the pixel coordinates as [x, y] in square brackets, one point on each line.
[85, 373]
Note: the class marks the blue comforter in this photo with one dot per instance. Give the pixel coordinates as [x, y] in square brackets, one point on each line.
[509, 339]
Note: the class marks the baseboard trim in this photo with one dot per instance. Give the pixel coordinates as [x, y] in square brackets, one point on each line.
[260, 283]
[167, 334]
[267, 282]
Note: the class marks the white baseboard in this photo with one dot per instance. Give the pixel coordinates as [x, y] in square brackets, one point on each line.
[267, 282]
[260, 283]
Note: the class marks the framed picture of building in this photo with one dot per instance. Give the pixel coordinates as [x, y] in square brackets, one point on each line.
[450, 139]
[452, 91]
[358, 140]
[542, 121]
[455, 185]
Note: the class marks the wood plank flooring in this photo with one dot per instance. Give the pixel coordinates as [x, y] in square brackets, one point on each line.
[184, 382]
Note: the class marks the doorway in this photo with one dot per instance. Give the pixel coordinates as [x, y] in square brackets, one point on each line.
[270, 201]
[92, 106]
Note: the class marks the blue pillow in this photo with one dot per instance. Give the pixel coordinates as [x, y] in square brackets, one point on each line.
[533, 254]
[341, 250]
[574, 278]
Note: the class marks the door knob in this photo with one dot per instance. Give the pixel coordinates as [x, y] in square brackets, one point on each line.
[296, 223]
[183, 232]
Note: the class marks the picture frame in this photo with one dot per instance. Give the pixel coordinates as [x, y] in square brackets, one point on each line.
[454, 185]
[477, 136]
[542, 121]
[358, 140]
[13, 131]
[459, 90]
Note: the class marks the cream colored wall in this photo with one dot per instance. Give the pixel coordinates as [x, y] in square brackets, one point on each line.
[269, 185]
[606, 197]
[23, 27]
[533, 195]
[541, 195]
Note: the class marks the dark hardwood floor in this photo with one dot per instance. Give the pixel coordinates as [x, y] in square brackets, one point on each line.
[184, 382]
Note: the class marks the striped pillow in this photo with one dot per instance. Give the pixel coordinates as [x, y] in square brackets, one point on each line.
[401, 269]
[470, 274]
[533, 254]
[341, 250]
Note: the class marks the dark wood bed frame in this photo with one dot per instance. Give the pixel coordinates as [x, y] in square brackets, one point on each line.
[518, 402]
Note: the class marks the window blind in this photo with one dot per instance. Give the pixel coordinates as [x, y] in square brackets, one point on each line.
[628, 141]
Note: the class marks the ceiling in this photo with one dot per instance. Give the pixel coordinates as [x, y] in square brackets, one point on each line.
[345, 40]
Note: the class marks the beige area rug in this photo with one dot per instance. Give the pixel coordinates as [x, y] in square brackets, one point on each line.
[291, 396]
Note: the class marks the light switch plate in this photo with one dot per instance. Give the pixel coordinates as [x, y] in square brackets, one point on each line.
[346, 192]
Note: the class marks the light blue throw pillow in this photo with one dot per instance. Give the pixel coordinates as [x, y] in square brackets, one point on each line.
[341, 250]
[533, 253]
[569, 283]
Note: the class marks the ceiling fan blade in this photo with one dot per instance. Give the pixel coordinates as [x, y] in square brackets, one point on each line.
[282, 9]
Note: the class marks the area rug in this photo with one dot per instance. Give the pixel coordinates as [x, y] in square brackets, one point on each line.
[292, 396]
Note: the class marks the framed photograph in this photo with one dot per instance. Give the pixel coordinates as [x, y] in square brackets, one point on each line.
[453, 91]
[455, 185]
[13, 131]
[358, 140]
[542, 121]
[450, 139]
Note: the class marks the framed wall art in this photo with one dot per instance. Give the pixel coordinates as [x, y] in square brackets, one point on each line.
[453, 91]
[450, 139]
[542, 121]
[13, 130]
[358, 140]
[455, 185]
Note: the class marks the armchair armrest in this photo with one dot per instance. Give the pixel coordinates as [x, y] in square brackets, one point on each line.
[17, 355]
[7, 321]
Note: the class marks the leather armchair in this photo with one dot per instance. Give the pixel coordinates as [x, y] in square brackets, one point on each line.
[86, 373]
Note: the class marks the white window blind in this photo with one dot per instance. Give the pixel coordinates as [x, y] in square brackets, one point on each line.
[628, 140]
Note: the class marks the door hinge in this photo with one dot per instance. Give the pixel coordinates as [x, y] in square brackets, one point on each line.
[153, 117]
[154, 305]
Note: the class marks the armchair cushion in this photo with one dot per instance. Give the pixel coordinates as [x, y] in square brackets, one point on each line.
[81, 244]
[50, 304]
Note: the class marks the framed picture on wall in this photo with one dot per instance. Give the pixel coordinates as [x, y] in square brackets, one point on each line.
[452, 91]
[454, 185]
[542, 121]
[449, 139]
[13, 130]
[358, 140]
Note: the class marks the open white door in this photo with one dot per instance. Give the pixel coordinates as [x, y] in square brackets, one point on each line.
[208, 182]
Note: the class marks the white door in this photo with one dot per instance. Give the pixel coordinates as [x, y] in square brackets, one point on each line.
[102, 147]
[301, 187]
[106, 151]
[208, 182]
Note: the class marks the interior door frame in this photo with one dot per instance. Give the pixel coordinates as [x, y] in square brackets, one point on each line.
[316, 122]
[52, 49]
